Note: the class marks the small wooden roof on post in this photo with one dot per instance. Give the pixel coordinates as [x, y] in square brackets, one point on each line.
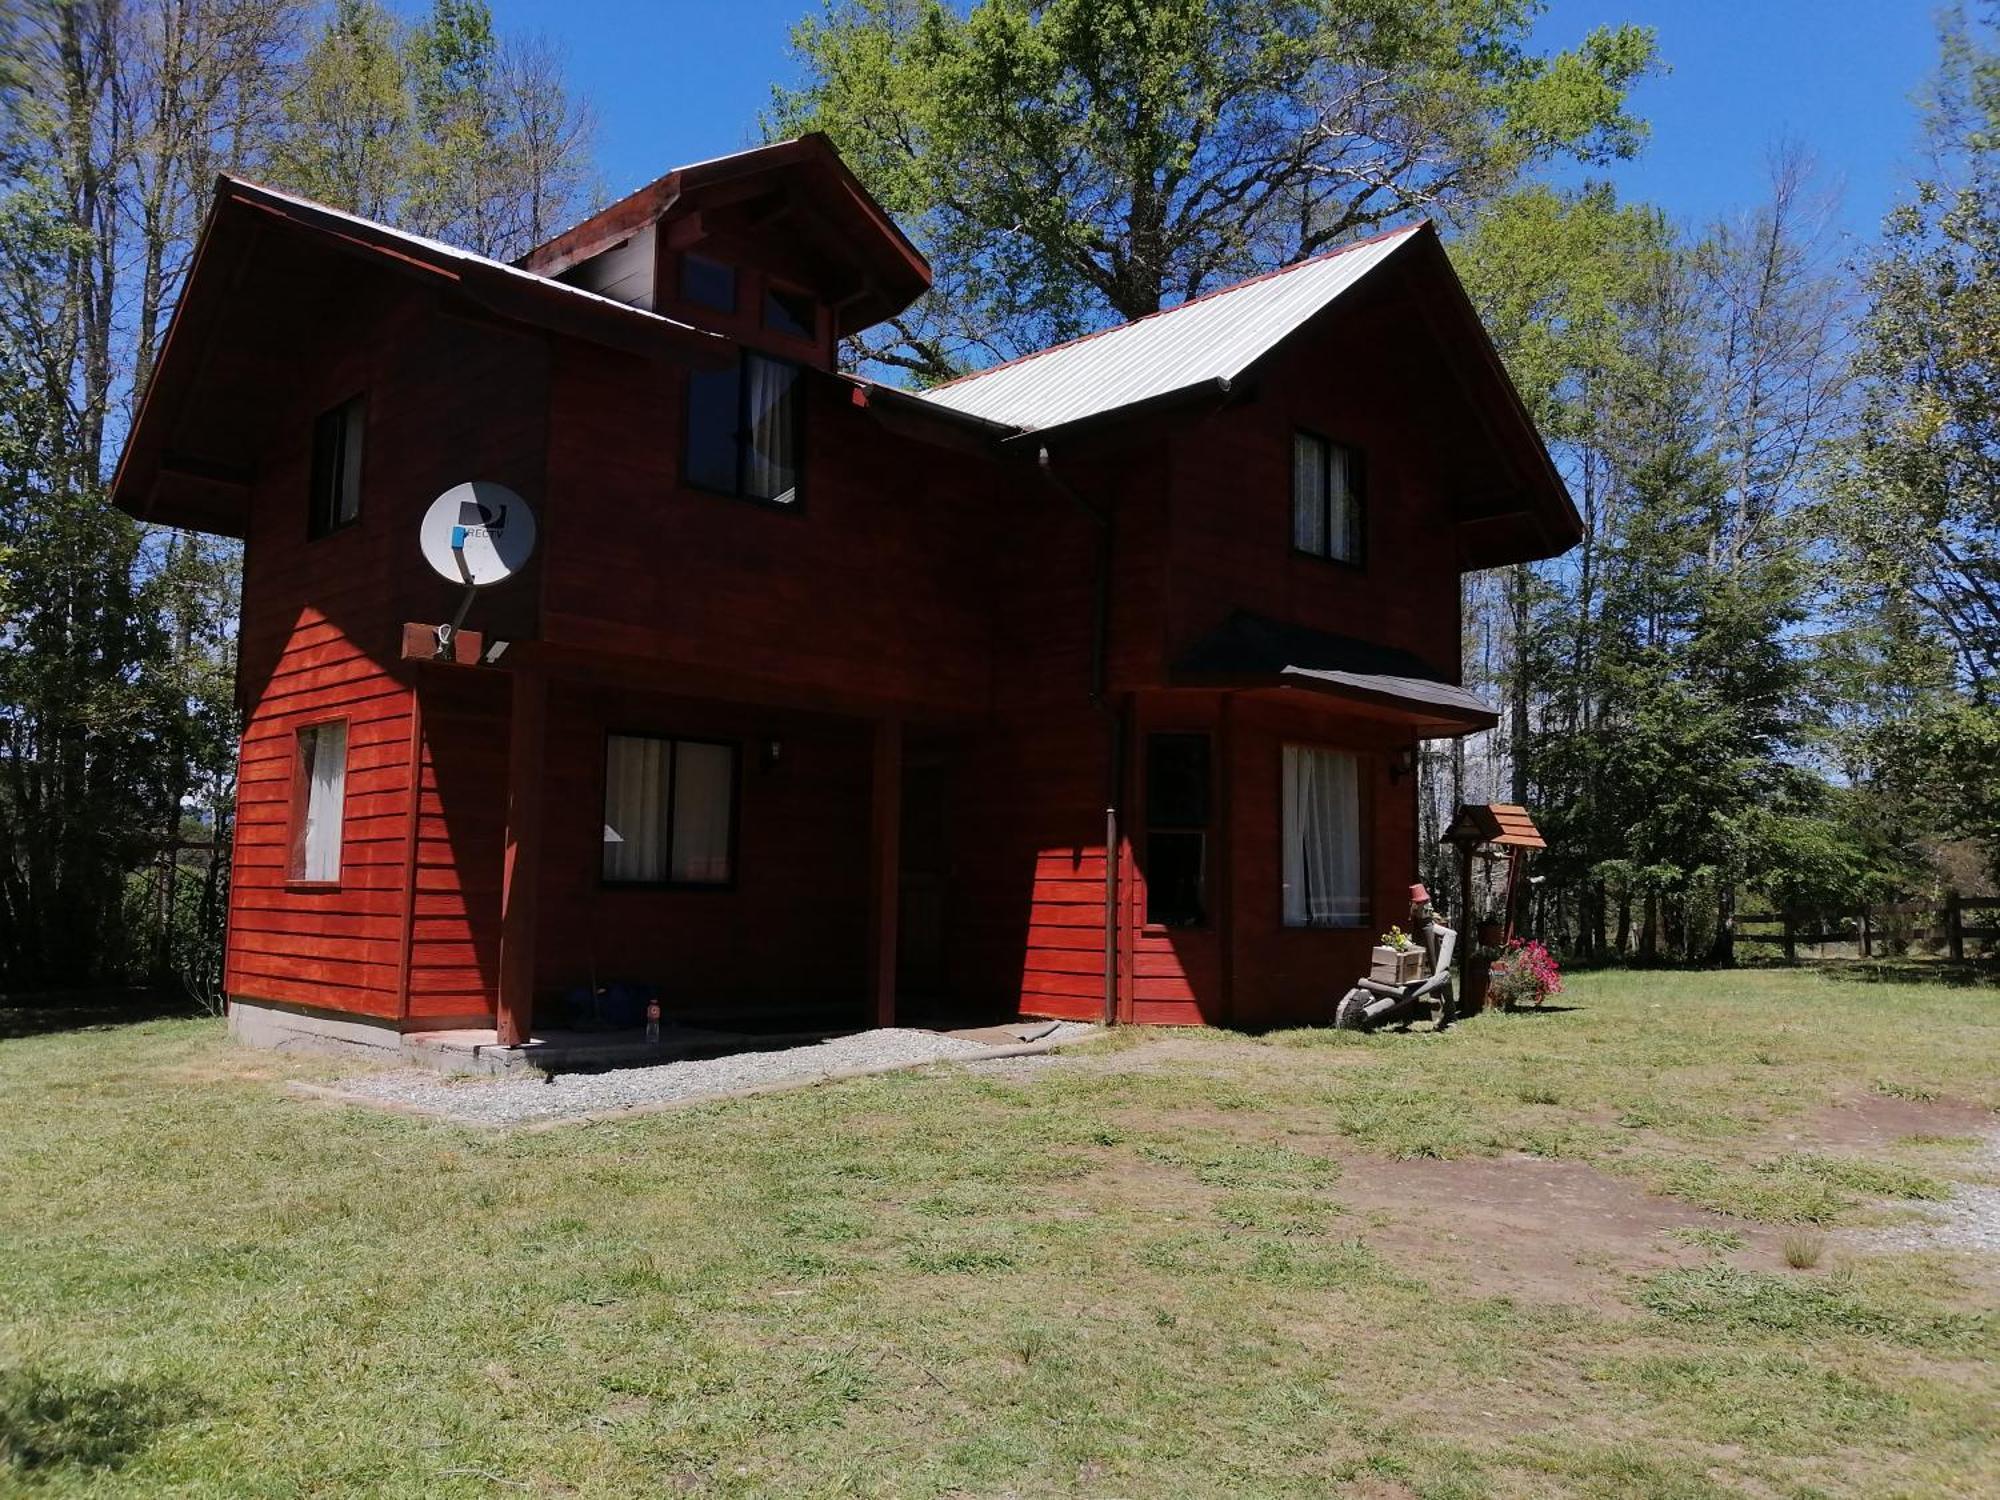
[1493, 823]
[1502, 824]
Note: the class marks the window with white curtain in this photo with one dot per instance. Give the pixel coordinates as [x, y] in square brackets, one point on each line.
[743, 430]
[1322, 839]
[669, 810]
[1326, 498]
[319, 802]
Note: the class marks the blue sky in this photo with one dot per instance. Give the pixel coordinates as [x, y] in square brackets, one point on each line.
[678, 80]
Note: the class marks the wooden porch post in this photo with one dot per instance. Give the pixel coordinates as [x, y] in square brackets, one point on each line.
[885, 868]
[520, 876]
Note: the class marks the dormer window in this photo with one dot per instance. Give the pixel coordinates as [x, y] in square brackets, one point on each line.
[794, 314]
[1326, 498]
[710, 283]
[743, 430]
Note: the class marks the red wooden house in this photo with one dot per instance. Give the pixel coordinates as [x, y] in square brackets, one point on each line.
[1086, 686]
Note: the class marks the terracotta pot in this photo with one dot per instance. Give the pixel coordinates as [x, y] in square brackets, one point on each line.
[1491, 933]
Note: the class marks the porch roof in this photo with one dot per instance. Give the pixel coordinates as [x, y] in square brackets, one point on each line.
[1251, 650]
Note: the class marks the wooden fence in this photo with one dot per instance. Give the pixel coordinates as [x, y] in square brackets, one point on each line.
[1945, 927]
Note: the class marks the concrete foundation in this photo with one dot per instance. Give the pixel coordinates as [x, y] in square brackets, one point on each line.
[260, 1023]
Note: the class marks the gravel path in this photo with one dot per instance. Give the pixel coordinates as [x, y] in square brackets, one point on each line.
[1968, 1220]
[509, 1100]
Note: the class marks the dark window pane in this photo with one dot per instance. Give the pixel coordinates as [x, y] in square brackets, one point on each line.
[771, 406]
[791, 313]
[709, 282]
[335, 498]
[712, 424]
[1177, 780]
[1174, 878]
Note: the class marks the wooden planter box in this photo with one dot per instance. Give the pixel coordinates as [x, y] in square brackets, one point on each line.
[1390, 967]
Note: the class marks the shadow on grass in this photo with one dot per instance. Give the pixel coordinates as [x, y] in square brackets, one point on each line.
[56, 1420]
[39, 1015]
[1971, 974]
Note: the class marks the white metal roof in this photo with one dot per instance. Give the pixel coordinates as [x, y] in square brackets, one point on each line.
[1214, 337]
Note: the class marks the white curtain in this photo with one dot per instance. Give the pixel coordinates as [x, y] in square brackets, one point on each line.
[1340, 504]
[354, 421]
[635, 807]
[702, 796]
[1322, 839]
[323, 751]
[1309, 494]
[770, 466]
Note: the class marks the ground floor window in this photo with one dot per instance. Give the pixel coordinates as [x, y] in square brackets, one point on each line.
[1322, 839]
[319, 802]
[1177, 816]
[669, 811]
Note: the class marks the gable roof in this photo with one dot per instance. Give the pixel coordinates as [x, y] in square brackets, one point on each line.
[889, 272]
[164, 477]
[1206, 341]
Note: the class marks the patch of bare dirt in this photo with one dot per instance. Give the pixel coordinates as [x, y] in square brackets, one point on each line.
[1524, 1226]
[1863, 1121]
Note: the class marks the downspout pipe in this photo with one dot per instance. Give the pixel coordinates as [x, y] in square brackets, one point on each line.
[1100, 631]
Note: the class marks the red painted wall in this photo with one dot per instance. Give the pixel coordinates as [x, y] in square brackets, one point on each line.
[448, 399]
[952, 589]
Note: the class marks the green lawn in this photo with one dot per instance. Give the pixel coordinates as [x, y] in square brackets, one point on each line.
[1182, 1264]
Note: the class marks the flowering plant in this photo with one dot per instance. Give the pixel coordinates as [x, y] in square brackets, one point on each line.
[1398, 939]
[1531, 975]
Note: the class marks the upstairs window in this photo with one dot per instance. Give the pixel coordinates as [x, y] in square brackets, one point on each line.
[708, 282]
[669, 811]
[743, 430]
[791, 313]
[336, 469]
[1322, 839]
[319, 802]
[1177, 818]
[1326, 498]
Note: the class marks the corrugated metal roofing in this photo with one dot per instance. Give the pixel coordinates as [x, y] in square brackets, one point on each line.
[1214, 337]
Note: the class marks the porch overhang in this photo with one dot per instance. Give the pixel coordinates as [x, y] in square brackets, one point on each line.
[1249, 652]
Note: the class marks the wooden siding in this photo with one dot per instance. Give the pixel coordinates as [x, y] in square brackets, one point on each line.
[873, 587]
[1368, 385]
[788, 934]
[954, 590]
[448, 398]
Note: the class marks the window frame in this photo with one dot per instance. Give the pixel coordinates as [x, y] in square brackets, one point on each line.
[1204, 830]
[735, 307]
[334, 525]
[607, 882]
[1357, 487]
[299, 798]
[741, 434]
[773, 290]
[1364, 834]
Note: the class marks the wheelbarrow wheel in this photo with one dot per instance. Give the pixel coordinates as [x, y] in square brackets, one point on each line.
[1352, 1012]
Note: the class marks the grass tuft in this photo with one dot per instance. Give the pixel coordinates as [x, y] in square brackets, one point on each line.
[1803, 1251]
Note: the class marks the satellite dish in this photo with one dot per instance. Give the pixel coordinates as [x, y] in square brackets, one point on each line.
[478, 533]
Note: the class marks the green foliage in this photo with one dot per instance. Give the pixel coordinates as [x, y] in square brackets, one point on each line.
[442, 126]
[1069, 161]
[1914, 500]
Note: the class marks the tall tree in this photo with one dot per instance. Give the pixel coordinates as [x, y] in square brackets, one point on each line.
[1066, 162]
[444, 126]
[117, 640]
[1915, 507]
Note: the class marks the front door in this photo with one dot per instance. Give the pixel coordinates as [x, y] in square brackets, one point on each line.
[925, 885]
